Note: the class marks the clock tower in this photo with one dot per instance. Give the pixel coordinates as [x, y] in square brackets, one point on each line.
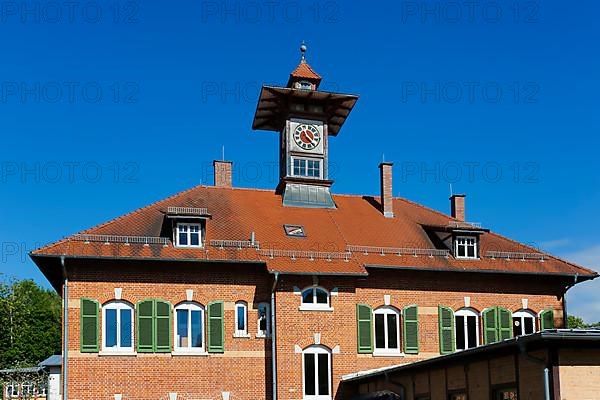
[305, 118]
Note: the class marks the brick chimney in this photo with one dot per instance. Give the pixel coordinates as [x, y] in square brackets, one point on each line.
[457, 206]
[223, 173]
[387, 205]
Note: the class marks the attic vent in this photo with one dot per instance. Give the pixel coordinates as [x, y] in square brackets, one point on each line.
[294, 230]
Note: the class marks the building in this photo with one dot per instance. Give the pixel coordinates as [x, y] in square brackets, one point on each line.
[553, 364]
[39, 382]
[221, 292]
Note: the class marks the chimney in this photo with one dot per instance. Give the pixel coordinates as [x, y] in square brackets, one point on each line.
[457, 206]
[222, 173]
[386, 189]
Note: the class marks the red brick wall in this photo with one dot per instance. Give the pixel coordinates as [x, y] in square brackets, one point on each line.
[244, 369]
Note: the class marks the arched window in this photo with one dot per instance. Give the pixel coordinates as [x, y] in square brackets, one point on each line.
[315, 298]
[466, 326]
[387, 330]
[189, 327]
[316, 372]
[117, 326]
[264, 320]
[241, 319]
[523, 323]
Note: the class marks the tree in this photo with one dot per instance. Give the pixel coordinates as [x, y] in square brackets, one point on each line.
[574, 322]
[30, 323]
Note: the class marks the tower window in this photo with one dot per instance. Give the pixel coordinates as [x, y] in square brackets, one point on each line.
[304, 85]
[306, 167]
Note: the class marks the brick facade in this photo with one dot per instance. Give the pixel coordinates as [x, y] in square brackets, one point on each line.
[244, 369]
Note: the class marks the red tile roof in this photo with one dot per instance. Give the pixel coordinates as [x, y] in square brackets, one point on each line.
[303, 70]
[236, 213]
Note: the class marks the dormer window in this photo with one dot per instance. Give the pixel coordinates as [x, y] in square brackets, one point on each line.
[188, 235]
[465, 247]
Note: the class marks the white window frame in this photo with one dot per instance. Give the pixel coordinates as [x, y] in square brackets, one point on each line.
[259, 332]
[307, 159]
[475, 247]
[241, 333]
[304, 85]
[12, 390]
[386, 351]
[315, 350]
[467, 312]
[118, 305]
[314, 306]
[522, 315]
[189, 306]
[189, 235]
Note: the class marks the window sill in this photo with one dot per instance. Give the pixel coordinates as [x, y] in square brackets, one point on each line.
[315, 308]
[259, 336]
[118, 353]
[467, 258]
[242, 336]
[194, 353]
[388, 354]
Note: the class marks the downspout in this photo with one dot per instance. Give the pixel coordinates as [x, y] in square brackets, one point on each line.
[65, 329]
[565, 314]
[273, 344]
[539, 361]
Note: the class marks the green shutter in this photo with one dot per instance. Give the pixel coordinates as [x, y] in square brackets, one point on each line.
[490, 325]
[89, 325]
[216, 327]
[446, 325]
[162, 321]
[411, 330]
[504, 324]
[364, 324]
[145, 326]
[547, 319]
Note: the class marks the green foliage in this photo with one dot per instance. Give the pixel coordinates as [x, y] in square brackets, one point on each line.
[30, 323]
[574, 322]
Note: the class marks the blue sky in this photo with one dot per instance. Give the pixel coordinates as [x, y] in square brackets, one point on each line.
[106, 107]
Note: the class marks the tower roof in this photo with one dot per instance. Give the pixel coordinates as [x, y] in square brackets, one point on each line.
[305, 71]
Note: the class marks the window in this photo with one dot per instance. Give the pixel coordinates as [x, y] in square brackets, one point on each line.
[306, 167]
[264, 320]
[294, 230]
[465, 247]
[27, 390]
[457, 396]
[117, 318]
[466, 324]
[505, 394]
[12, 390]
[387, 331]
[315, 298]
[241, 319]
[523, 323]
[304, 85]
[189, 235]
[189, 327]
[316, 372]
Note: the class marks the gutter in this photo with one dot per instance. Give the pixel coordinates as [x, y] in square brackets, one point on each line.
[581, 278]
[65, 392]
[564, 301]
[273, 335]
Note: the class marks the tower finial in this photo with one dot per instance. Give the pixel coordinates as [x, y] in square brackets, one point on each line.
[303, 51]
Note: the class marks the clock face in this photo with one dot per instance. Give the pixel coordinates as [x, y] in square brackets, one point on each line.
[307, 136]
